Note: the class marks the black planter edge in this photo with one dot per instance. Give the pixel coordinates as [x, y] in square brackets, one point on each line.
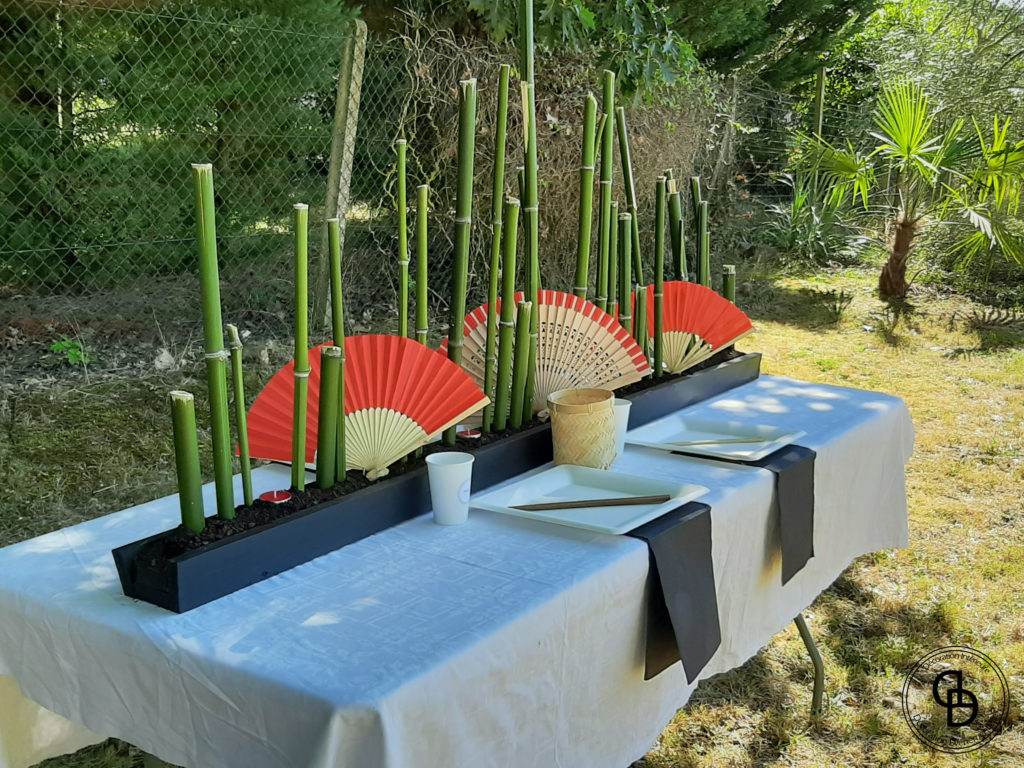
[211, 572]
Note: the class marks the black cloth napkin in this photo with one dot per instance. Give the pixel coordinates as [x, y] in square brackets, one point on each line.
[682, 605]
[793, 501]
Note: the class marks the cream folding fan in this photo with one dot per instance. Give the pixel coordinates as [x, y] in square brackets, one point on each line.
[697, 322]
[398, 395]
[578, 345]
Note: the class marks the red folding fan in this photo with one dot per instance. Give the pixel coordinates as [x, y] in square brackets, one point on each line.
[697, 322]
[578, 345]
[398, 395]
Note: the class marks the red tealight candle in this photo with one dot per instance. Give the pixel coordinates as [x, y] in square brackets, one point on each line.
[275, 497]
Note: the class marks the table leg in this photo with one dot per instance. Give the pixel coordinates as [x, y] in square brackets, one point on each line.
[819, 667]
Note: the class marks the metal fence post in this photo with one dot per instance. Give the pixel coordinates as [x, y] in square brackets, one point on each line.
[725, 146]
[339, 175]
[819, 119]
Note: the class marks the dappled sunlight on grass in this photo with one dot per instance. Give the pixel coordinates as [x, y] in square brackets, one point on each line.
[960, 580]
[77, 450]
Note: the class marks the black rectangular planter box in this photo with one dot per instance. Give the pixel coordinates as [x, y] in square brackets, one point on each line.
[207, 573]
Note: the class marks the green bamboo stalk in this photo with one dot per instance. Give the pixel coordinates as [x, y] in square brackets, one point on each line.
[679, 230]
[213, 335]
[627, 177]
[463, 226]
[497, 192]
[586, 197]
[675, 229]
[422, 203]
[704, 238]
[729, 282]
[531, 214]
[338, 332]
[327, 417]
[659, 273]
[695, 198]
[526, 39]
[625, 272]
[186, 461]
[604, 209]
[403, 244]
[642, 337]
[422, 207]
[506, 340]
[241, 422]
[613, 260]
[301, 220]
[520, 362]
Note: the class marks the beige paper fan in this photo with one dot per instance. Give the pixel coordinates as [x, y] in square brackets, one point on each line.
[578, 345]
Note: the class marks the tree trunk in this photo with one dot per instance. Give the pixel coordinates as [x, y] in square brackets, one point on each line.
[892, 283]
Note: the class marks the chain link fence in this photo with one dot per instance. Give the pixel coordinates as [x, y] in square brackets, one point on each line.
[103, 108]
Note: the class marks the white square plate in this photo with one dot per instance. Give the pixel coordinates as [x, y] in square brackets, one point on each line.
[678, 428]
[567, 482]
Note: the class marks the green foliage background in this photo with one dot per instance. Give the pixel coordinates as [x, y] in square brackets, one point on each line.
[102, 110]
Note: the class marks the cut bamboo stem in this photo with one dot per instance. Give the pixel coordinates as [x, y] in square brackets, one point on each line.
[604, 210]
[521, 360]
[186, 461]
[676, 229]
[403, 243]
[422, 207]
[613, 260]
[497, 193]
[582, 278]
[301, 222]
[625, 272]
[729, 282]
[704, 238]
[241, 422]
[526, 39]
[642, 336]
[338, 329]
[627, 178]
[695, 199]
[659, 274]
[463, 226]
[507, 324]
[327, 418]
[531, 215]
[213, 335]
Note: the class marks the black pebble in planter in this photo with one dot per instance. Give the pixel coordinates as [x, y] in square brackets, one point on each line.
[206, 573]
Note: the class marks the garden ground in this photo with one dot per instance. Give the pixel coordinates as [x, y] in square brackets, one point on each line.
[80, 441]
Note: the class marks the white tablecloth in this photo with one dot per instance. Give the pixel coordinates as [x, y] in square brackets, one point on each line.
[502, 642]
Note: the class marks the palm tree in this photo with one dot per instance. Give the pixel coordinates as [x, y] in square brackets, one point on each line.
[929, 175]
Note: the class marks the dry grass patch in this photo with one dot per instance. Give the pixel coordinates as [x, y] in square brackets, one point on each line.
[78, 450]
[959, 582]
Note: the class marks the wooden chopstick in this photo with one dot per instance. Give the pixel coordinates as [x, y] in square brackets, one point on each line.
[728, 440]
[624, 501]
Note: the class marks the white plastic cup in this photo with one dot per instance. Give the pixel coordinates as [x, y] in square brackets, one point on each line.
[621, 424]
[450, 474]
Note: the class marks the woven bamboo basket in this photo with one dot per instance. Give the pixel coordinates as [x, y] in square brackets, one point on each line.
[583, 427]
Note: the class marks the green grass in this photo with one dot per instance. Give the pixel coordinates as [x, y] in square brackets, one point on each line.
[73, 450]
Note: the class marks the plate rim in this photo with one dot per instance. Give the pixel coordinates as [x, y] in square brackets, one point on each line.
[687, 492]
[789, 437]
